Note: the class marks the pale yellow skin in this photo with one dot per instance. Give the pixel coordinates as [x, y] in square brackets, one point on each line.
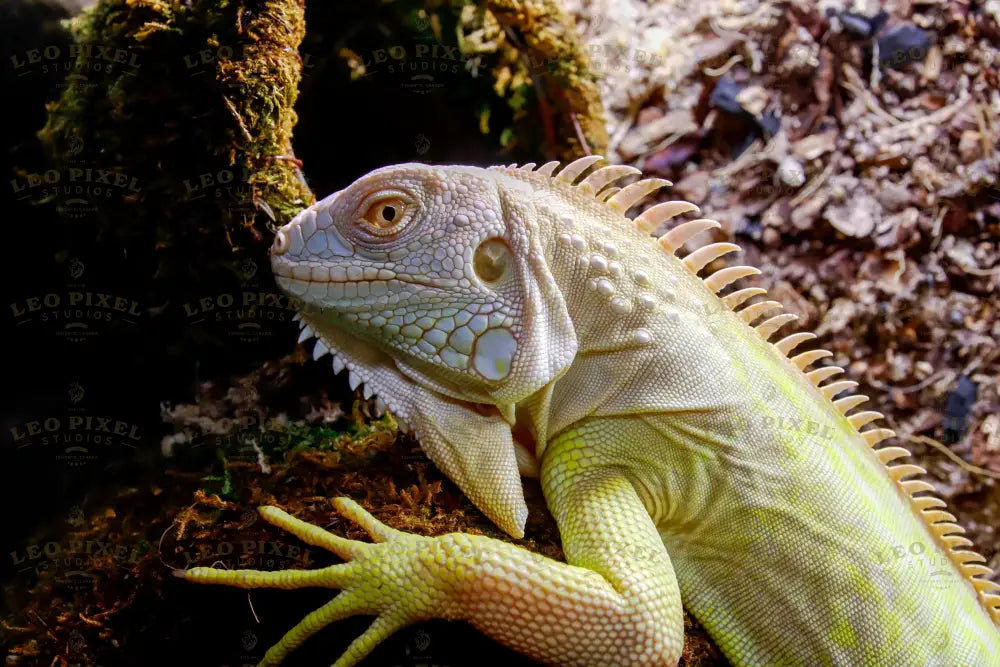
[681, 453]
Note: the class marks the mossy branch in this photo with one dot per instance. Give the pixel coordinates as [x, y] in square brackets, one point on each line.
[569, 97]
[198, 115]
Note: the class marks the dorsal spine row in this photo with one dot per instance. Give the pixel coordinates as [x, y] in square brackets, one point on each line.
[599, 184]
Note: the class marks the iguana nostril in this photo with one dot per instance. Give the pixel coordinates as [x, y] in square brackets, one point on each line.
[280, 245]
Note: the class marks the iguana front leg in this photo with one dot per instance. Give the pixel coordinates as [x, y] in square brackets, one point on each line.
[616, 603]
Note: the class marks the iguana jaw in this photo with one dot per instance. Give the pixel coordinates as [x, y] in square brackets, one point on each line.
[457, 437]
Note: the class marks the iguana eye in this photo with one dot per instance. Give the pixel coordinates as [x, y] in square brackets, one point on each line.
[386, 214]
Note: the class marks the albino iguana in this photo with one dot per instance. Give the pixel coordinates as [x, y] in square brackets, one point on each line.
[683, 456]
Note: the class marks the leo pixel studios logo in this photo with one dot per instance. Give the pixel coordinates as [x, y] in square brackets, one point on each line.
[78, 435]
[77, 313]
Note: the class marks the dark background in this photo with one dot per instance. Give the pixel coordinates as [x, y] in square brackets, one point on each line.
[116, 368]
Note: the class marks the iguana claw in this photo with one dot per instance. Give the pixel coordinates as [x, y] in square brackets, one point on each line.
[385, 579]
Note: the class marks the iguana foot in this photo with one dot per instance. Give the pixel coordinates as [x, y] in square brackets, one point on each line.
[398, 579]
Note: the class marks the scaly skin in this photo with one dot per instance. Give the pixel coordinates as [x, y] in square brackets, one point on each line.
[680, 452]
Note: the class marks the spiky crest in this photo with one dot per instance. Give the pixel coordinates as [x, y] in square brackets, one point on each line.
[940, 523]
[739, 296]
[608, 193]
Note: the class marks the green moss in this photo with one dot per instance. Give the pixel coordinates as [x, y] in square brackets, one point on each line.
[198, 116]
[543, 51]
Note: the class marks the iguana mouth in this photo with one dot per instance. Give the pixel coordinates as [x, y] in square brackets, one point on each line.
[441, 284]
[335, 289]
[311, 269]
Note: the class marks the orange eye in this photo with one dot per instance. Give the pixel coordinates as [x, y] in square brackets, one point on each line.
[386, 214]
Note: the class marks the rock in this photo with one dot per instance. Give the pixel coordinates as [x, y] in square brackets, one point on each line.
[897, 230]
[791, 173]
[753, 99]
[970, 146]
[693, 187]
[804, 215]
[854, 218]
[893, 197]
[815, 145]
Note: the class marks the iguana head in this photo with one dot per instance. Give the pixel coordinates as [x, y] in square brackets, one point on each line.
[430, 284]
[440, 267]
